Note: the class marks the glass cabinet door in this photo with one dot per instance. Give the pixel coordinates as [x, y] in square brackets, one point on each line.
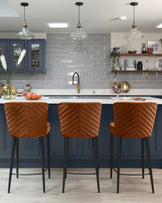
[4, 51]
[36, 58]
[16, 48]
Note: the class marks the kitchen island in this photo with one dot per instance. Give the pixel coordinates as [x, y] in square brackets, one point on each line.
[82, 148]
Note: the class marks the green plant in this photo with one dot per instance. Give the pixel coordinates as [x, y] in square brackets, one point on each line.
[115, 55]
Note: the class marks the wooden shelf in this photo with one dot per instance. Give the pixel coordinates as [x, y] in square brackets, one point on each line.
[141, 54]
[139, 71]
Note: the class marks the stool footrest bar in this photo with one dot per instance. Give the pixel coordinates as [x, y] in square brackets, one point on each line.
[82, 173]
[28, 174]
[131, 174]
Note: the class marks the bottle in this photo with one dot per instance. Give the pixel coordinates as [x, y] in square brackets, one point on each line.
[144, 48]
[139, 65]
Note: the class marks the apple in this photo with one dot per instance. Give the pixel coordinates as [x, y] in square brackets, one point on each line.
[29, 95]
[24, 94]
[34, 96]
[39, 95]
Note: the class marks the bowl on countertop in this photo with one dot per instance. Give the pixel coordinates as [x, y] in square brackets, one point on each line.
[31, 96]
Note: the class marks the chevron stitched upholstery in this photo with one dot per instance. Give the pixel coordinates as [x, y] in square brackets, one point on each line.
[133, 119]
[27, 119]
[79, 120]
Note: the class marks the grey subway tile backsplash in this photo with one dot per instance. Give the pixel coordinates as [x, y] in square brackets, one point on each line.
[90, 58]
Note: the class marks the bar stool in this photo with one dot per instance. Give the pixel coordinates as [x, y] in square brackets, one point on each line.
[27, 120]
[133, 120]
[80, 120]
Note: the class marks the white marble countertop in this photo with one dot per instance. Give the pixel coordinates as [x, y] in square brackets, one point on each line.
[107, 100]
[142, 92]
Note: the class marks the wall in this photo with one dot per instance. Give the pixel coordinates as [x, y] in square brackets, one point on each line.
[90, 58]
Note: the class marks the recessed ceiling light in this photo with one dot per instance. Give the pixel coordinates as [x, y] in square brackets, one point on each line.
[123, 17]
[119, 18]
[159, 26]
[58, 25]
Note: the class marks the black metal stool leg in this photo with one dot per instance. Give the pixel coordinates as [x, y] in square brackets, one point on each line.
[66, 142]
[11, 162]
[149, 162]
[118, 169]
[142, 153]
[67, 156]
[112, 149]
[48, 156]
[95, 148]
[17, 157]
[42, 160]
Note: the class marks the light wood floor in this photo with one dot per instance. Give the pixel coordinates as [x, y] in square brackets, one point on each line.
[80, 189]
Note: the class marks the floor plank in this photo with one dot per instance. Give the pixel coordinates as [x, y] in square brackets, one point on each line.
[79, 189]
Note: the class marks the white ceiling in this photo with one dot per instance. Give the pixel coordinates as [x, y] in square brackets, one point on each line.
[96, 15]
[6, 10]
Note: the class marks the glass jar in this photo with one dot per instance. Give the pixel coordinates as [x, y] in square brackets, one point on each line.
[139, 65]
[144, 50]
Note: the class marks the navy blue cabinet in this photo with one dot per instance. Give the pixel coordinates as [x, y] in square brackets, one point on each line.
[82, 148]
[34, 60]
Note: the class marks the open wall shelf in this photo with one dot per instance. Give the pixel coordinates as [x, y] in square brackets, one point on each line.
[154, 70]
[160, 54]
[139, 71]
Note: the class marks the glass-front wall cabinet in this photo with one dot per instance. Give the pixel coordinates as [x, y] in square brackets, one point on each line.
[34, 60]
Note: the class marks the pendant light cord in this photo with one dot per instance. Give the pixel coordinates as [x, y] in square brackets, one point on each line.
[25, 24]
[133, 14]
[78, 14]
[134, 4]
[79, 24]
[24, 13]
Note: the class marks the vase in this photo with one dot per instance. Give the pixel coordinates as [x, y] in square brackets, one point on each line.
[8, 91]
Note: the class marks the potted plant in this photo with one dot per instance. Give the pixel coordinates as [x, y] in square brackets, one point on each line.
[9, 91]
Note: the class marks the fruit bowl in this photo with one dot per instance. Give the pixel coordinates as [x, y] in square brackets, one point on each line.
[31, 96]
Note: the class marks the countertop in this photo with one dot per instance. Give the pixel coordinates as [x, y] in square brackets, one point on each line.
[101, 99]
[95, 92]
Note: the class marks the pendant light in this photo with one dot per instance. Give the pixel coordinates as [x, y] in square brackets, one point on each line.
[134, 33]
[25, 33]
[79, 34]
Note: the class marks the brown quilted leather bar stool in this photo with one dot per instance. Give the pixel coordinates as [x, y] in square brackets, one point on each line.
[133, 120]
[27, 120]
[80, 120]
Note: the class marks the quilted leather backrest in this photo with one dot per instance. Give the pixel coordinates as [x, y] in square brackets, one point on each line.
[134, 119]
[80, 120]
[26, 119]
